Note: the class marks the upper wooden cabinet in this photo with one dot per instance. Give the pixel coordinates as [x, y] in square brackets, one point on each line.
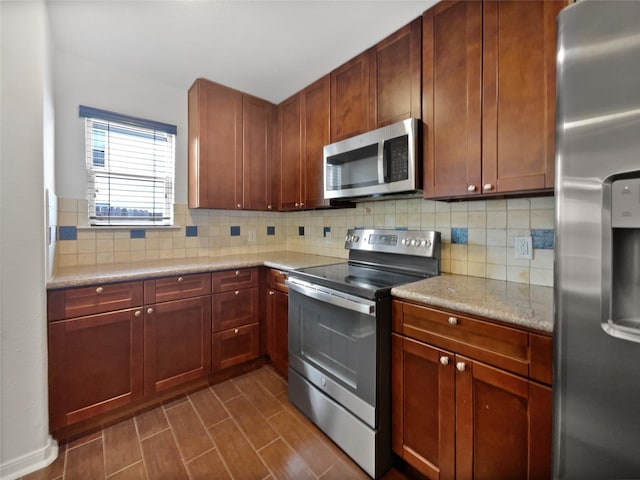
[303, 127]
[488, 97]
[229, 148]
[379, 86]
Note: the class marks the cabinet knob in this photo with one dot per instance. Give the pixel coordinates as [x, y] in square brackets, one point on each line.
[180, 279]
[461, 366]
[138, 313]
[235, 331]
[239, 205]
[271, 292]
[99, 290]
[488, 187]
[444, 360]
[237, 272]
[269, 207]
[149, 310]
[297, 204]
[453, 321]
[237, 292]
[471, 188]
[302, 204]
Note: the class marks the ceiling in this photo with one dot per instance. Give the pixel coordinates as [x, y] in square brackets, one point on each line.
[268, 48]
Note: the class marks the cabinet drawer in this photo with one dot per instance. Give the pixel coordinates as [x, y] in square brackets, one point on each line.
[235, 308]
[235, 279]
[78, 302]
[541, 356]
[276, 279]
[501, 346]
[234, 346]
[177, 287]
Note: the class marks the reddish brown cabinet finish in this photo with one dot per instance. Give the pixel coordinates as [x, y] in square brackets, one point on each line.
[462, 404]
[177, 346]
[95, 365]
[489, 97]
[230, 136]
[215, 146]
[303, 126]
[277, 321]
[350, 98]
[235, 317]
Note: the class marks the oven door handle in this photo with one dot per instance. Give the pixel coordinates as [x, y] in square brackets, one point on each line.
[333, 297]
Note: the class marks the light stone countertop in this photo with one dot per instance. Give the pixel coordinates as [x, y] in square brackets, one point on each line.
[520, 304]
[88, 275]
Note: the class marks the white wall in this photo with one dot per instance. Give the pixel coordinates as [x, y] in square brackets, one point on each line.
[81, 82]
[25, 148]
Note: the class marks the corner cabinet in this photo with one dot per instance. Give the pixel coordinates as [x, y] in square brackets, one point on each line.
[303, 129]
[470, 398]
[229, 149]
[489, 97]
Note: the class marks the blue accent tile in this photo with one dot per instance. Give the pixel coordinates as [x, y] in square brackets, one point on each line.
[402, 228]
[543, 238]
[235, 231]
[271, 230]
[138, 233]
[192, 231]
[301, 231]
[459, 236]
[67, 233]
[325, 230]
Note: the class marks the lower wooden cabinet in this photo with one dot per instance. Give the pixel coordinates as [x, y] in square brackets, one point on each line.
[235, 346]
[176, 343]
[277, 330]
[454, 416]
[95, 365]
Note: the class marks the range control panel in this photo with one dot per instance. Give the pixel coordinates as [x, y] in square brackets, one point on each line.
[409, 242]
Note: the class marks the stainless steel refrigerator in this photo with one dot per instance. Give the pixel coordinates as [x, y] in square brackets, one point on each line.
[596, 387]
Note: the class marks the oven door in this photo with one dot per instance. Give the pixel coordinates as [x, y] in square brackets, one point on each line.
[333, 342]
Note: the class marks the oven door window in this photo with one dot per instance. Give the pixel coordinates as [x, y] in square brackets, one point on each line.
[337, 341]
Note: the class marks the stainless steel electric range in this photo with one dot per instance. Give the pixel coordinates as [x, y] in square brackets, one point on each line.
[340, 338]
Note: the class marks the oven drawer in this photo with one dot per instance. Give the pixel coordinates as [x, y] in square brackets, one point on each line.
[488, 342]
[235, 346]
[101, 298]
[177, 287]
[230, 280]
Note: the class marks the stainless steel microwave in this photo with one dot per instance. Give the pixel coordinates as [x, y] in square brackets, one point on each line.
[379, 162]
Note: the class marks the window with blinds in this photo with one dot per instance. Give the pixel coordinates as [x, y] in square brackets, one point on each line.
[130, 169]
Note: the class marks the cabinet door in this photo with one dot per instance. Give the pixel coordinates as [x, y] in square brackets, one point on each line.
[451, 111]
[177, 346]
[95, 365]
[518, 116]
[215, 146]
[315, 121]
[423, 408]
[236, 308]
[350, 98]
[503, 424]
[235, 346]
[277, 330]
[290, 130]
[256, 153]
[395, 76]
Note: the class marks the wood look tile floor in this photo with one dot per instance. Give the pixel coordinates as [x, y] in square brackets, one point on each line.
[244, 428]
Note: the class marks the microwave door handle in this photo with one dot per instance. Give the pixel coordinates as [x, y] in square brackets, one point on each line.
[382, 162]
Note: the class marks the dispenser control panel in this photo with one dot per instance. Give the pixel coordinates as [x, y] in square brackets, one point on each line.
[625, 203]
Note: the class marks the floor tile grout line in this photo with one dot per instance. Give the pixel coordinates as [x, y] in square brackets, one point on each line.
[124, 468]
[144, 463]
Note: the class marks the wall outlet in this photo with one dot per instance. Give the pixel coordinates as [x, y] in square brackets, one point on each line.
[252, 235]
[523, 247]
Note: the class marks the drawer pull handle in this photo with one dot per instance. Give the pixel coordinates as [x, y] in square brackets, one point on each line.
[453, 321]
[471, 188]
[237, 272]
[149, 311]
[180, 279]
[99, 290]
[488, 187]
[444, 360]
[235, 331]
[461, 366]
[282, 274]
[237, 292]
[138, 313]
[271, 292]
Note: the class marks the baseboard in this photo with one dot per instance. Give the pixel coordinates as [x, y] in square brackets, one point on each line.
[30, 462]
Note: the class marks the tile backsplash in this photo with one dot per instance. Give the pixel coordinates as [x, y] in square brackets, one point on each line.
[477, 236]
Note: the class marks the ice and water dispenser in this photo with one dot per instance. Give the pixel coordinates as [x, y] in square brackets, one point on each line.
[625, 273]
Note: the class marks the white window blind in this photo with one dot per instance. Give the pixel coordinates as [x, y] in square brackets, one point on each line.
[130, 169]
